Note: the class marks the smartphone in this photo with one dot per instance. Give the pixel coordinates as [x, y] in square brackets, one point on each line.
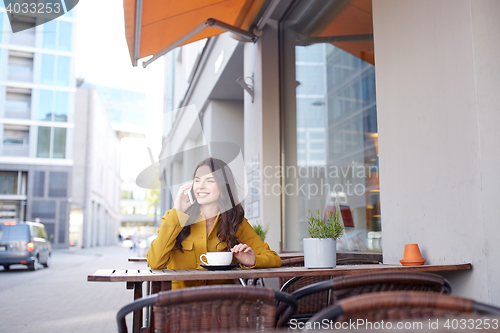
[191, 196]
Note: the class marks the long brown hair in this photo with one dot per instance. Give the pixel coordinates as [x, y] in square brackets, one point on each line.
[232, 213]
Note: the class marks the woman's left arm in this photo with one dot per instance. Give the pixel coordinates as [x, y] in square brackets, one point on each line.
[264, 256]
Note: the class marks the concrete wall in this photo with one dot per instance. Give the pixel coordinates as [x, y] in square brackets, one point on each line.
[438, 116]
[261, 121]
[81, 146]
[223, 122]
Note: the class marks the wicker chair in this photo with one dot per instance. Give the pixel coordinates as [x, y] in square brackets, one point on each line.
[317, 301]
[211, 309]
[400, 306]
[352, 285]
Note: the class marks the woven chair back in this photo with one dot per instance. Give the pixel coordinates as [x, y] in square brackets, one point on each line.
[316, 302]
[407, 305]
[309, 304]
[353, 285]
[216, 309]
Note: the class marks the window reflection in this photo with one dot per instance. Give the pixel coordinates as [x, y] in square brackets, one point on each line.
[49, 35]
[63, 70]
[43, 143]
[57, 35]
[59, 143]
[51, 142]
[64, 40]
[331, 120]
[55, 70]
[53, 105]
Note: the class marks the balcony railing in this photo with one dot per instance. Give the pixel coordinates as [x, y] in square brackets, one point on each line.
[22, 39]
[26, 76]
[18, 113]
[16, 150]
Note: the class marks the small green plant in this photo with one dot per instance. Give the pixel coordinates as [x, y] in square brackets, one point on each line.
[317, 229]
[261, 230]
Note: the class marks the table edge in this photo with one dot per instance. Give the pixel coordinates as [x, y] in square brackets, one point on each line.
[271, 273]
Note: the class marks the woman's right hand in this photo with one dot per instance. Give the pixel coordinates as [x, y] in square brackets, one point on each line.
[182, 202]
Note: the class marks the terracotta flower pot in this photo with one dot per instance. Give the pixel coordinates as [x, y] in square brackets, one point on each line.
[412, 256]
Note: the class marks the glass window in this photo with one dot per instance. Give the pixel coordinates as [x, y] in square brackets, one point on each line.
[55, 70]
[8, 182]
[53, 105]
[13, 234]
[45, 108]
[58, 182]
[59, 143]
[49, 35]
[50, 228]
[330, 108]
[39, 183]
[18, 100]
[45, 135]
[64, 40]
[48, 68]
[20, 66]
[62, 222]
[63, 71]
[43, 232]
[16, 135]
[12, 141]
[43, 144]
[1, 22]
[43, 209]
[61, 106]
[317, 146]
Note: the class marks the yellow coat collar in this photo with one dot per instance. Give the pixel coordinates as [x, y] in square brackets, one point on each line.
[204, 220]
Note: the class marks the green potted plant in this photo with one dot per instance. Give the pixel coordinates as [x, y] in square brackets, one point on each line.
[320, 249]
[260, 229]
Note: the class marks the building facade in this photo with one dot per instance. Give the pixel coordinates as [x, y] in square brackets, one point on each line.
[387, 107]
[95, 206]
[37, 101]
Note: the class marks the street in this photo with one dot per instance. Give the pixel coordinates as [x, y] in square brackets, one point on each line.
[60, 299]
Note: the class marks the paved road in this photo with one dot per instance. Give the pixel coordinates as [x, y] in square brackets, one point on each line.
[60, 299]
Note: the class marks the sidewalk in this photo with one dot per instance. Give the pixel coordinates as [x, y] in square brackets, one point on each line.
[60, 299]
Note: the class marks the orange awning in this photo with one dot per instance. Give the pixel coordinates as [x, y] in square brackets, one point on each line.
[151, 26]
[355, 24]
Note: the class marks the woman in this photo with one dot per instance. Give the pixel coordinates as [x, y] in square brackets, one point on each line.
[213, 222]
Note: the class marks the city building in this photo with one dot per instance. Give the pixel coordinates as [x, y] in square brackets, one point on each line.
[95, 205]
[37, 109]
[388, 107]
[126, 109]
[127, 112]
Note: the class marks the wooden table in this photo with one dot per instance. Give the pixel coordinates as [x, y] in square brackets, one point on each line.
[162, 279]
[340, 255]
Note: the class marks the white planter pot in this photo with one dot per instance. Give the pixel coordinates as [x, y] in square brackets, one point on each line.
[320, 252]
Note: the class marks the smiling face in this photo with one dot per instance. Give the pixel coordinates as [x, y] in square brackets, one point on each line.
[205, 187]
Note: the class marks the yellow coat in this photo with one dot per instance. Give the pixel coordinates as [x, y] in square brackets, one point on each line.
[162, 252]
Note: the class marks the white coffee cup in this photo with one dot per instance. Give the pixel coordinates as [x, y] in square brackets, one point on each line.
[217, 258]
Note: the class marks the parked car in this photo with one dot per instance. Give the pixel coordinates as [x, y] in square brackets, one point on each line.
[24, 243]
